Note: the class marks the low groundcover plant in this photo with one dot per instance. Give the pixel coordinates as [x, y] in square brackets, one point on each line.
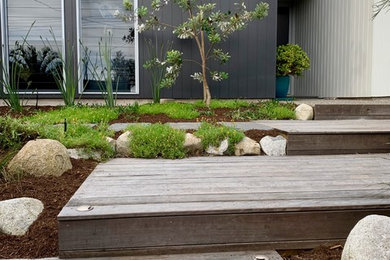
[157, 140]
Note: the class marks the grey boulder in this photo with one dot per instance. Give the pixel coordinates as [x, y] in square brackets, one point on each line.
[123, 145]
[369, 239]
[17, 215]
[42, 157]
[247, 146]
[218, 150]
[274, 146]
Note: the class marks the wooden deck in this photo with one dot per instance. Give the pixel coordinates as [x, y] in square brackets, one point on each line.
[351, 111]
[334, 136]
[222, 203]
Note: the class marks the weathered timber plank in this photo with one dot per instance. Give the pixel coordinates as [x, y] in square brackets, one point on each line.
[240, 255]
[359, 111]
[330, 126]
[314, 144]
[224, 197]
[123, 233]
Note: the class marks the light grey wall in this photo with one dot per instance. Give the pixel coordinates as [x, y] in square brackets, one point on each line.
[337, 35]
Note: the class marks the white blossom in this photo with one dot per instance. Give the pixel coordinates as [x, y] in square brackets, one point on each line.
[141, 27]
[117, 13]
[169, 69]
[197, 76]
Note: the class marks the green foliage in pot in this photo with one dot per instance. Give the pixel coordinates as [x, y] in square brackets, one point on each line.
[291, 60]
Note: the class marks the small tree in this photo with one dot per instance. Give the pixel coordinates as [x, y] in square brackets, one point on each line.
[206, 26]
[381, 5]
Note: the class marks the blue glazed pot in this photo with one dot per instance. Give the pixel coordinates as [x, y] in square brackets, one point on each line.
[282, 86]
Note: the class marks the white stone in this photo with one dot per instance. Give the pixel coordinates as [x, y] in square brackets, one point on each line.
[218, 150]
[42, 157]
[80, 153]
[192, 143]
[123, 145]
[274, 146]
[247, 146]
[17, 215]
[112, 143]
[304, 112]
[369, 239]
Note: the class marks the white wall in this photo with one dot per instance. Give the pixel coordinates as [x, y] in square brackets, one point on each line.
[381, 55]
[337, 35]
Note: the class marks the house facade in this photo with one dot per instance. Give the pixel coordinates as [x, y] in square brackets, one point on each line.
[347, 48]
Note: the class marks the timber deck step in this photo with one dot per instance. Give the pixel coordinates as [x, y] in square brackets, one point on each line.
[217, 204]
[351, 111]
[334, 136]
[240, 255]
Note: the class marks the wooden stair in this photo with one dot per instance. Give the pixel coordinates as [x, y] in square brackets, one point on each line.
[196, 205]
[350, 111]
[334, 136]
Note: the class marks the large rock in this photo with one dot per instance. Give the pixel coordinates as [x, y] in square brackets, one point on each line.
[304, 112]
[274, 146]
[218, 150]
[369, 239]
[81, 153]
[17, 215]
[247, 146]
[42, 157]
[192, 144]
[123, 145]
[112, 143]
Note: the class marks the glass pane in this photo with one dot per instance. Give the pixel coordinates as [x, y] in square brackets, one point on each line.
[37, 54]
[100, 25]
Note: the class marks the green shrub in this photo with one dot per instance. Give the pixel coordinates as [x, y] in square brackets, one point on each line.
[14, 133]
[275, 110]
[291, 60]
[80, 136]
[237, 103]
[173, 110]
[77, 114]
[213, 135]
[157, 140]
[269, 110]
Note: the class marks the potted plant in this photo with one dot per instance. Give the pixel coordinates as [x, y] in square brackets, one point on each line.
[291, 60]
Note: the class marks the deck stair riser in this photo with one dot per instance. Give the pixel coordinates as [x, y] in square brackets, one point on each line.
[351, 111]
[223, 203]
[334, 136]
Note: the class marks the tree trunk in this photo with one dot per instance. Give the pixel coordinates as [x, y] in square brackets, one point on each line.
[206, 89]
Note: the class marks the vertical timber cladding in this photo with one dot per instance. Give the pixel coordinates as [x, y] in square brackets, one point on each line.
[251, 67]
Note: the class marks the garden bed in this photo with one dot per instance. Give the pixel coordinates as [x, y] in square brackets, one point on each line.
[320, 253]
[219, 111]
[42, 237]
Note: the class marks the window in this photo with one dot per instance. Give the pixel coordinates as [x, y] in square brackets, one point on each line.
[44, 20]
[99, 25]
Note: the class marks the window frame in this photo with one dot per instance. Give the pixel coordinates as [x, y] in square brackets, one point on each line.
[5, 45]
[136, 54]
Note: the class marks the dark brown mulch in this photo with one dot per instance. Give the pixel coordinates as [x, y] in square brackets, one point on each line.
[319, 253]
[27, 111]
[42, 237]
[214, 115]
[257, 135]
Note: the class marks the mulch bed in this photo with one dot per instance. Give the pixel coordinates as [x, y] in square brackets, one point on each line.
[27, 111]
[319, 253]
[257, 135]
[42, 237]
[213, 115]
